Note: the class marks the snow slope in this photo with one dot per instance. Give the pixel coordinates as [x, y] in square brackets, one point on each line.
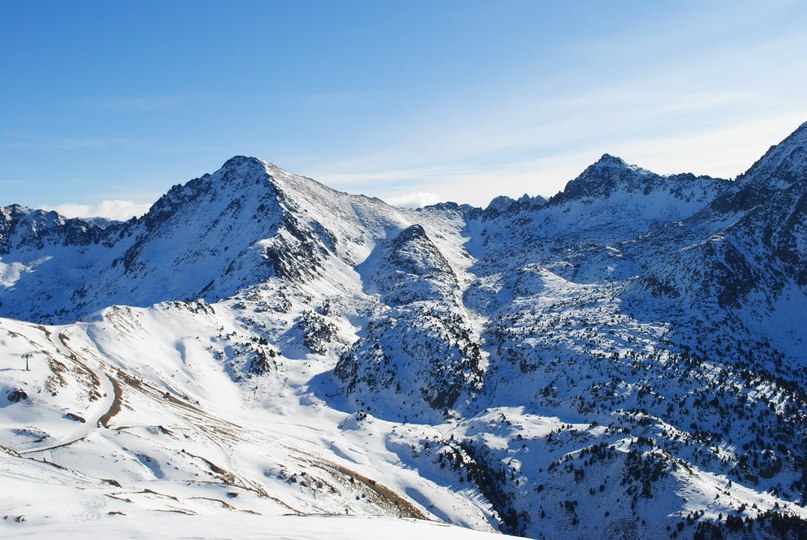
[626, 359]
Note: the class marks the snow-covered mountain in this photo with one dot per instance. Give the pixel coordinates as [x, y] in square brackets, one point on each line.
[625, 359]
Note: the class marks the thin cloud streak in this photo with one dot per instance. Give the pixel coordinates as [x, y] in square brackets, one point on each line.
[32, 141]
[114, 209]
[417, 199]
[134, 104]
[723, 152]
[691, 116]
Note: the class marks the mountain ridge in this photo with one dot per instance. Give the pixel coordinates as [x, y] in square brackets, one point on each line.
[624, 357]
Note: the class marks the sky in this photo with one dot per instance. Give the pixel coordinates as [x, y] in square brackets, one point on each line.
[105, 105]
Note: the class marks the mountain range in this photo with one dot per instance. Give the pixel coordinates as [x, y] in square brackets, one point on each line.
[626, 359]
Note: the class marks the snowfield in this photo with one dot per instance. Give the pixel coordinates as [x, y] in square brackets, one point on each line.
[262, 356]
[115, 436]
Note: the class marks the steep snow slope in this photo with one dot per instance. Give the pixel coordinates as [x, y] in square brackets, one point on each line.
[625, 359]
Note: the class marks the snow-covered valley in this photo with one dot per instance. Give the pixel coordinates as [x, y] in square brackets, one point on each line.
[624, 360]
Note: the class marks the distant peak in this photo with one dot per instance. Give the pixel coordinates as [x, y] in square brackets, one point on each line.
[603, 177]
[503, 203]
[610, 165]
[411, 233]
[796, 139]
[17, 208]
[783, 163]
[500, 204]
[608, 159]
[239, 161]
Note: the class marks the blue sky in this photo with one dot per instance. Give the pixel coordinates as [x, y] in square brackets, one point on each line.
[105, 105]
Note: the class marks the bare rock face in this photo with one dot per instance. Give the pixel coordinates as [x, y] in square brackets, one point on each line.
[25, 230]
[15, 396]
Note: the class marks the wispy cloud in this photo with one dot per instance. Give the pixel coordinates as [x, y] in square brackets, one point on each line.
[132, 103]
[335, 98]
[475, 185]
[725, 151]
[704, 114]
[416, 199]
[113, 209]
[34, 141]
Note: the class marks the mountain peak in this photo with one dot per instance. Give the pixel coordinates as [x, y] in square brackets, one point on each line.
[602, 178]
[500, 204]
[411, 233]
[14, 211]
[503, 203]
[239, 178]
[245, 166]
[784, 163]
[610, 160]
[782, 167]
[414, 252]
[240, 161]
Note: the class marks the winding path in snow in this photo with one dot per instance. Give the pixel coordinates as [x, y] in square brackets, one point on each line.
[100, 413]
[117, 401]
